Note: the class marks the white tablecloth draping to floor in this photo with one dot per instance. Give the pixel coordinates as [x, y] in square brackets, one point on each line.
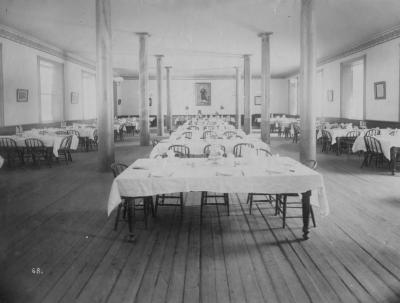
[387, 142]
[335, 132]
[196, 146]
[148, 177]
[53, 141]
[342, 132]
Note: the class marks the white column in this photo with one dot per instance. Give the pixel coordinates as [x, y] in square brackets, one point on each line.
[265, 87]
[237, 98]
[307, 82]
[143, 90]
[104, 85]
[160, 114]
[169, 106]
[247, 90]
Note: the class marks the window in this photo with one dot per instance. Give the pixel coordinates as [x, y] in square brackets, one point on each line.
[51, 91]
[89, 95]
[352, 89]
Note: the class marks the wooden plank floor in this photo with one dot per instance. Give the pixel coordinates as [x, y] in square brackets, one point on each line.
[55, 219]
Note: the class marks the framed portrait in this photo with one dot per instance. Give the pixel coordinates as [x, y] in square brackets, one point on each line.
[203, 94]
[380, 90]
[22, 95]
[74, 98]
[329, 95]
[257, 100]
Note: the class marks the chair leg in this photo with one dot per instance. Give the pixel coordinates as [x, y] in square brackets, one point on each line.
[129, 207]
[153, 213]
[117, 216]
[284, 211]
[278, 200]
[156, 207]
[312, 216]
[226, 198]
[145, 210]
[181, 200]
[202, 203]
[250, 198]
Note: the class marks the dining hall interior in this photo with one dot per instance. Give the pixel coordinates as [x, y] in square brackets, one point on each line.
[200, 151]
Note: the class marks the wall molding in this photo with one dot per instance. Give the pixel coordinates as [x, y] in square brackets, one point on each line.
[383, 37]
[198, 77]
[29, 41]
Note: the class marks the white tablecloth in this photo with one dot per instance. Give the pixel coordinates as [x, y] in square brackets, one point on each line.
[53, 141]
[270, 175]
[387, 142]
[196, 146]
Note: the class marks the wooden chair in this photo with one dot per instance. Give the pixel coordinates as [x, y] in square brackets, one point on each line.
[296, 131]
[38, 151]
[194, 127]
[326, 141]
[206, 150]
[230, 134]
[10, 151]
[282, 204]
[82, 142]
[209, 134]
[264, 152]
[263, 196]
[187, 135]
[347, 142]
[181, 151]
[130, 204]
[237, 149]
[206, 195]
[374, 151]
[373, 132]
[93, 143]
[65, 149]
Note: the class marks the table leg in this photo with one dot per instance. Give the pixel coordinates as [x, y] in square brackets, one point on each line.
[393, 157]
[338, 145]
[306, 212]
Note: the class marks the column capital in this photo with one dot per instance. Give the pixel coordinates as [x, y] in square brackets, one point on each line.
[246, 55]
[265, 34]
[168, 67]
[159, 56]
[143, 34]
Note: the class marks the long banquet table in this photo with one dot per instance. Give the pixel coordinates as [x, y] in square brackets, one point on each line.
[274, 175]
[196, 146]
[49, 140]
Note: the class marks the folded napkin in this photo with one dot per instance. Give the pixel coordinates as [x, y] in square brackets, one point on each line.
[160, 173]
[140, 167]
[226, 171]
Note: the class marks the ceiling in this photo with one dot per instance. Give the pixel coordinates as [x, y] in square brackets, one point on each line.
[201, 37]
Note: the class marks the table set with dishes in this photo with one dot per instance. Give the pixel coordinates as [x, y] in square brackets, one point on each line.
[256, 174]
[49, 137]
[221, 171]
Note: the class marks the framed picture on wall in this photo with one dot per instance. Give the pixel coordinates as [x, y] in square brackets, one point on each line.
[257, 100]
[74, 98]
[22, 95]
[329, 95]
[380, 90]
[203, 94]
